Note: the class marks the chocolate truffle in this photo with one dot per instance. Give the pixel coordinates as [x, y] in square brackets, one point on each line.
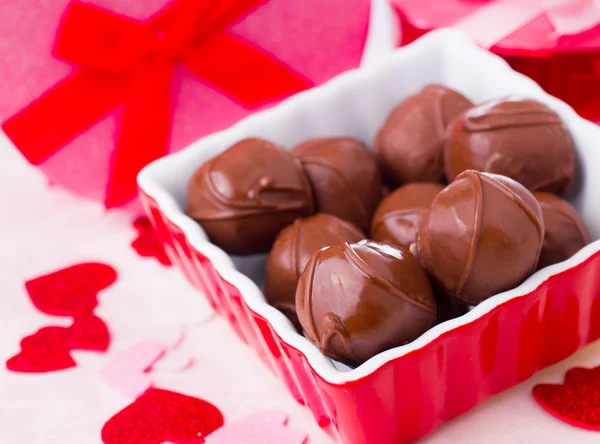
[410, 142]
[245, 196]
[293, 249]
[344, 176]
[481, 235]
[356, 300]
[395, 220]
[522, 139]
[565, 232]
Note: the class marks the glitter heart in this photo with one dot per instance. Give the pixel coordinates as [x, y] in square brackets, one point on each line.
[160, 415]
[576, 401]
[44, 351]
[88, 332]
[72, 290]
[147, 243]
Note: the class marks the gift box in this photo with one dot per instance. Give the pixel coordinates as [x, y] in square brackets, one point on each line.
[94, 90]
[403, 393]
[555, 42]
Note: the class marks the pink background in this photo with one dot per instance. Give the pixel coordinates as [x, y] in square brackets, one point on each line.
[293, 31]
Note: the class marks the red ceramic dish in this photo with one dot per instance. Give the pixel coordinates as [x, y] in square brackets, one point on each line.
[403, 393]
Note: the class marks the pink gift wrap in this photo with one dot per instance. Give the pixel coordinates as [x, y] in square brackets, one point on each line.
[555, 42]
[314, 39]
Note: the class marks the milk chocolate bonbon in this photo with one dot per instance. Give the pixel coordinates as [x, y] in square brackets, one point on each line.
[245, 196]
[481, 235]
[356, 300]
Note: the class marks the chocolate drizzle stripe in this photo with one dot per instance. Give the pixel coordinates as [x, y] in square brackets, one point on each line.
[475, 123]
[520, 202]
[253, 194]
[381, 280]
[526, 209]
[308, 300]
[348, 186]
[331, 319]
[477, 228]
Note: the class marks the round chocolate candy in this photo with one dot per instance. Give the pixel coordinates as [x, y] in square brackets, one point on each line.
[565, 232]
[344, 176]
[410, 142]
[246, 195]
[521, 139]
[356, 300]
[396, 217]
[293, 249]
[481, 235]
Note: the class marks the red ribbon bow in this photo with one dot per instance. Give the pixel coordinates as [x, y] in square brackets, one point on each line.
[123, 61]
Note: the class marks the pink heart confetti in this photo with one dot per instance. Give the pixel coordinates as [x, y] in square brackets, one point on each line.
[266, 427]
[126, 372]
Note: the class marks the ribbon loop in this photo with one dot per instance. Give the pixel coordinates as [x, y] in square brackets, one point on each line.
[129, 62]
[95, 38]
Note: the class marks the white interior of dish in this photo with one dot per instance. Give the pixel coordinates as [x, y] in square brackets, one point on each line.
[355, 104]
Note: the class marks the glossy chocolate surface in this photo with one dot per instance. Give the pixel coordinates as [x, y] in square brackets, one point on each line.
[410, 142]
[344, 176]
[522, 139]
[245, 196]
[565, 232]
[292, 250]
[481, 235]
[396, 217]
[356, 300]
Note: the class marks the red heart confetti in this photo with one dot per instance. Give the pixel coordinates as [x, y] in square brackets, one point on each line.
[88, 332]
[147, 243]
[70, 291]
[47, 350]
[576, 401]
[44, 351]
[160, 415]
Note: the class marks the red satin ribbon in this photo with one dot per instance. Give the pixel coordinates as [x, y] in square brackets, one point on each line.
[123, 61]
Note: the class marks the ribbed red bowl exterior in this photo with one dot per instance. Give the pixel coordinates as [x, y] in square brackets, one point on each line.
[411, 395]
